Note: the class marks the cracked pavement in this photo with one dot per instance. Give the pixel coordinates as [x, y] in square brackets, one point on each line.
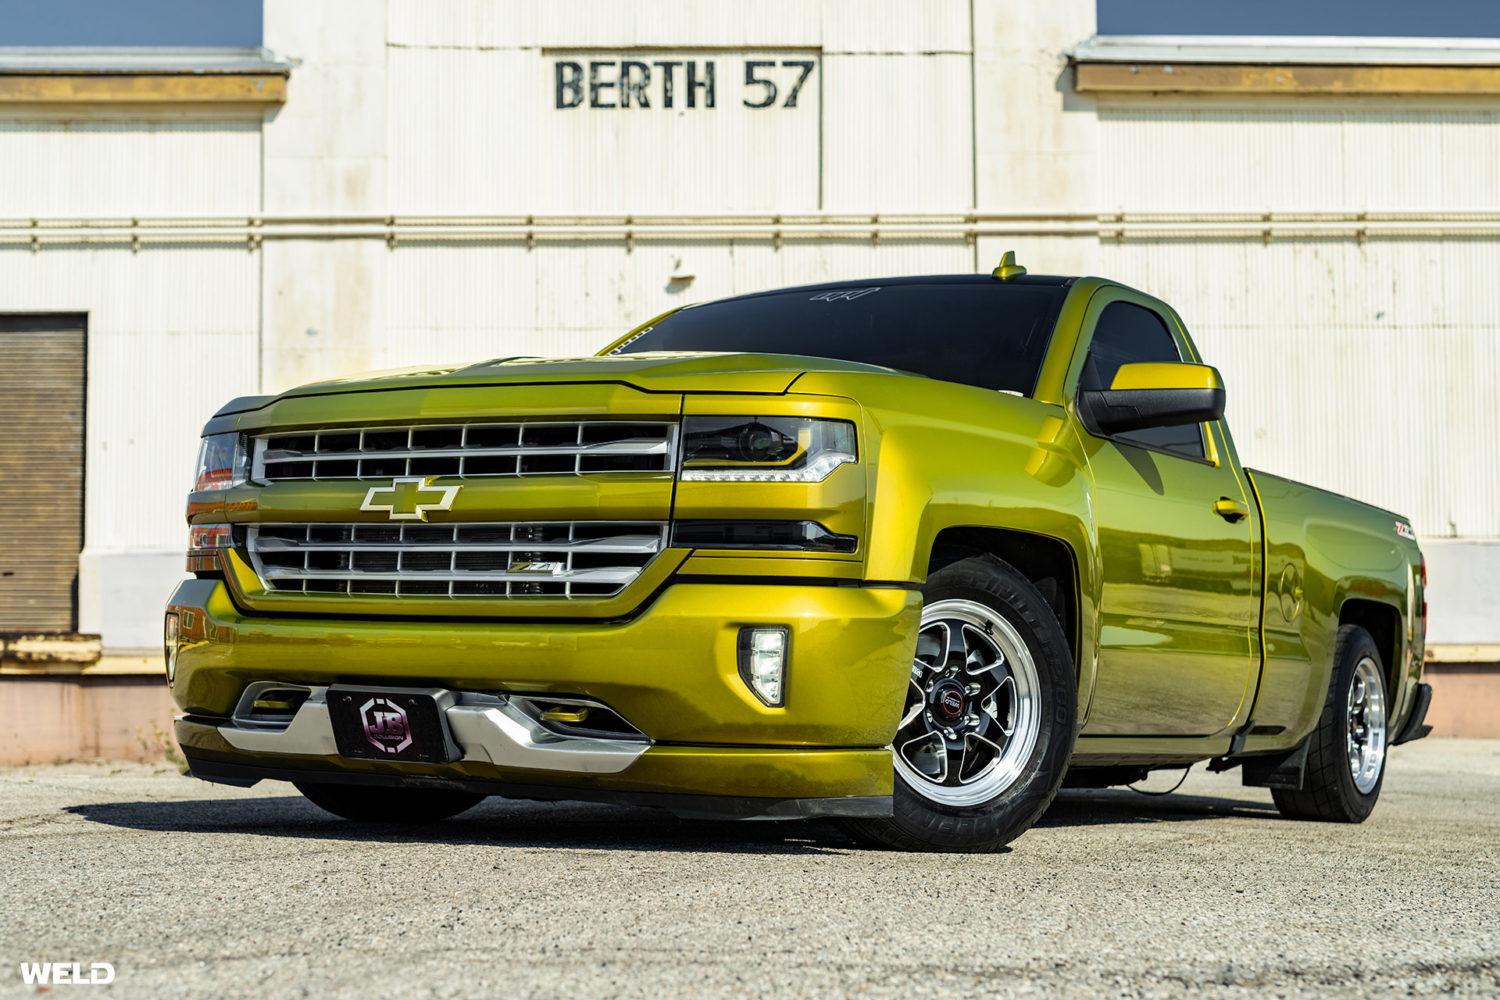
[194, 890]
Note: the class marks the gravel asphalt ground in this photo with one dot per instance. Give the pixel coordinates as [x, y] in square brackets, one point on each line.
[197, 890]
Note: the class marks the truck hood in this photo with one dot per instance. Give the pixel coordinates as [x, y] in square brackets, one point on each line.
[657, 372]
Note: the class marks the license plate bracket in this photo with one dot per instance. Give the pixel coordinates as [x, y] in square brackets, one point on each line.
[394, 724]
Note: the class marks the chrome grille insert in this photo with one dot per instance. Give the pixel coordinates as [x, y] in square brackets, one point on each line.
[538, 447]
[569, 559]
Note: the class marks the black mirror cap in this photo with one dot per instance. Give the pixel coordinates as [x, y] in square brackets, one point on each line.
[1115, 411]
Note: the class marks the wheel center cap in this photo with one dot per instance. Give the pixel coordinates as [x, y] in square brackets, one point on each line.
[948, 700]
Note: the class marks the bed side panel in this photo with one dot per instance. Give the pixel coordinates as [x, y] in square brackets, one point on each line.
[1321, 550]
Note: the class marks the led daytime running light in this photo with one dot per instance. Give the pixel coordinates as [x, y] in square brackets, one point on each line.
[815, 471]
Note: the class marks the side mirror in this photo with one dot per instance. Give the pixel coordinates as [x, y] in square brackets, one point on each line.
[1153, 395]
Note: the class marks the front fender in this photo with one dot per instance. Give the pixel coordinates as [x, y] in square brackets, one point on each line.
[941, 456]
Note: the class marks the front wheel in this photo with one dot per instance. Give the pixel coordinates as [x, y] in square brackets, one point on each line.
[388, 805]
[989, 719]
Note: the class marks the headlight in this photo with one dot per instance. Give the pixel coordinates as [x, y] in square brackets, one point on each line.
[764, 449]
[222, 462]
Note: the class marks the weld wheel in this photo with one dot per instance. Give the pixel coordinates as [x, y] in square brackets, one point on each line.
[388, 805]
[988, 720]
[971, 717]
[1346, 754]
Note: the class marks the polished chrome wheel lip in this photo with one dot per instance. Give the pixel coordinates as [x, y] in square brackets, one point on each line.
[1364, 725]
[1023, 715]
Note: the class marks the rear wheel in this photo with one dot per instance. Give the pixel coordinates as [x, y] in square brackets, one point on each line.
[1346, 753]
[988, 723]
[388, 805]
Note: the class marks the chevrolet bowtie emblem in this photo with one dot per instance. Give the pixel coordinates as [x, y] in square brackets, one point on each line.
[406, 495]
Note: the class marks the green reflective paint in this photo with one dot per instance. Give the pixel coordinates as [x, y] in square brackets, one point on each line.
[1179, 594]
[672, 670]
[1188, 626]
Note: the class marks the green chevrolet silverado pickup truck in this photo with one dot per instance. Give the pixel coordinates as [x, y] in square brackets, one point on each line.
[911, 553]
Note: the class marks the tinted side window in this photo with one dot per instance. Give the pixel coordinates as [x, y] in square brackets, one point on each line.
[1127, 334]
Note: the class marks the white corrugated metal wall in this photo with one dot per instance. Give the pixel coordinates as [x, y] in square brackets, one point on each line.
[172, 329]
[1368, 370]
[1368, 367]
[451, 111]
[881, 123]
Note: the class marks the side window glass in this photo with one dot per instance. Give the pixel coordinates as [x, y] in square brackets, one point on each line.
[1127, 334]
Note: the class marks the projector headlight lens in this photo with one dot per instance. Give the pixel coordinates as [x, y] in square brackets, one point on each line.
[764, 449]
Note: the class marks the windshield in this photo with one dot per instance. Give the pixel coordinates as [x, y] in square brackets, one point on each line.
[988, 334]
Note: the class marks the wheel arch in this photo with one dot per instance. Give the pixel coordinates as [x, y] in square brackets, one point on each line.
[1383, 622]
[1049, 563]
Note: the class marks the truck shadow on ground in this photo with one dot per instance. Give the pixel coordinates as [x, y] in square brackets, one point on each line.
[570, 825]
[1108, 806]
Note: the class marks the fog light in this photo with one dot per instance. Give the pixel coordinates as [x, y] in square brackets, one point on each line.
[169, 641]
[763, 656]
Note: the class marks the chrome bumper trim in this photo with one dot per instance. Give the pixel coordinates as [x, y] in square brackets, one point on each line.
[488, 729]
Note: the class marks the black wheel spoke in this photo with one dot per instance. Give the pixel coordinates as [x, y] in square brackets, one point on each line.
[932, 644]
[978, 752]
[927, 752]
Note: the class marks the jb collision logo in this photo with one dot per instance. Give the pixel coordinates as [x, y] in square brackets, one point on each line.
[67, 974]
[386, 725]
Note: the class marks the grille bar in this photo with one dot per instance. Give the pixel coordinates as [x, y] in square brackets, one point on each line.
[610, 448]
[540, 447]
[625, 543]
[614, 576]
[569, 559]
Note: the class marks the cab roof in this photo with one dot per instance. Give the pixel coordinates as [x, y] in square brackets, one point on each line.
[926, 279]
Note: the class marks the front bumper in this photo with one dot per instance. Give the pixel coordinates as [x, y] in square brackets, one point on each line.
[728, 782]
[671, 671]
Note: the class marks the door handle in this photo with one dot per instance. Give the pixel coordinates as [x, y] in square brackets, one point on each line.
[1230, 510]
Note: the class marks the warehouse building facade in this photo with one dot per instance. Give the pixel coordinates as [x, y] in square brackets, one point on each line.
[399, 183]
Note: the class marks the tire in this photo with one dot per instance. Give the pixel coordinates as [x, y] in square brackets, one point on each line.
[1353, 722]
[959, 705]
[388, 805]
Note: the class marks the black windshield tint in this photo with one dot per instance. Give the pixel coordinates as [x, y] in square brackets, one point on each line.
[990, 334]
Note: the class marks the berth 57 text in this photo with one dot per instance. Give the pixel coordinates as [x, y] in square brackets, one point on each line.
[655, 82]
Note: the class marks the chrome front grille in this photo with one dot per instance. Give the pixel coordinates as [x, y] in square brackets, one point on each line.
[537, 447]
[568, 559]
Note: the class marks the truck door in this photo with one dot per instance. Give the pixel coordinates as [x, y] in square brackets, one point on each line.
[1178, 602]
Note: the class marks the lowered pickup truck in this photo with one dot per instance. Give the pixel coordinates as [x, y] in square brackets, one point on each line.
[910, 553]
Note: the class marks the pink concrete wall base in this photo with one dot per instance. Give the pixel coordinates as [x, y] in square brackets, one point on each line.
[44, 719]
[1465, 699]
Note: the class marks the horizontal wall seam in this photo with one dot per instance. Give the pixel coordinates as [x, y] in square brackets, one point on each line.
[251, 230]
